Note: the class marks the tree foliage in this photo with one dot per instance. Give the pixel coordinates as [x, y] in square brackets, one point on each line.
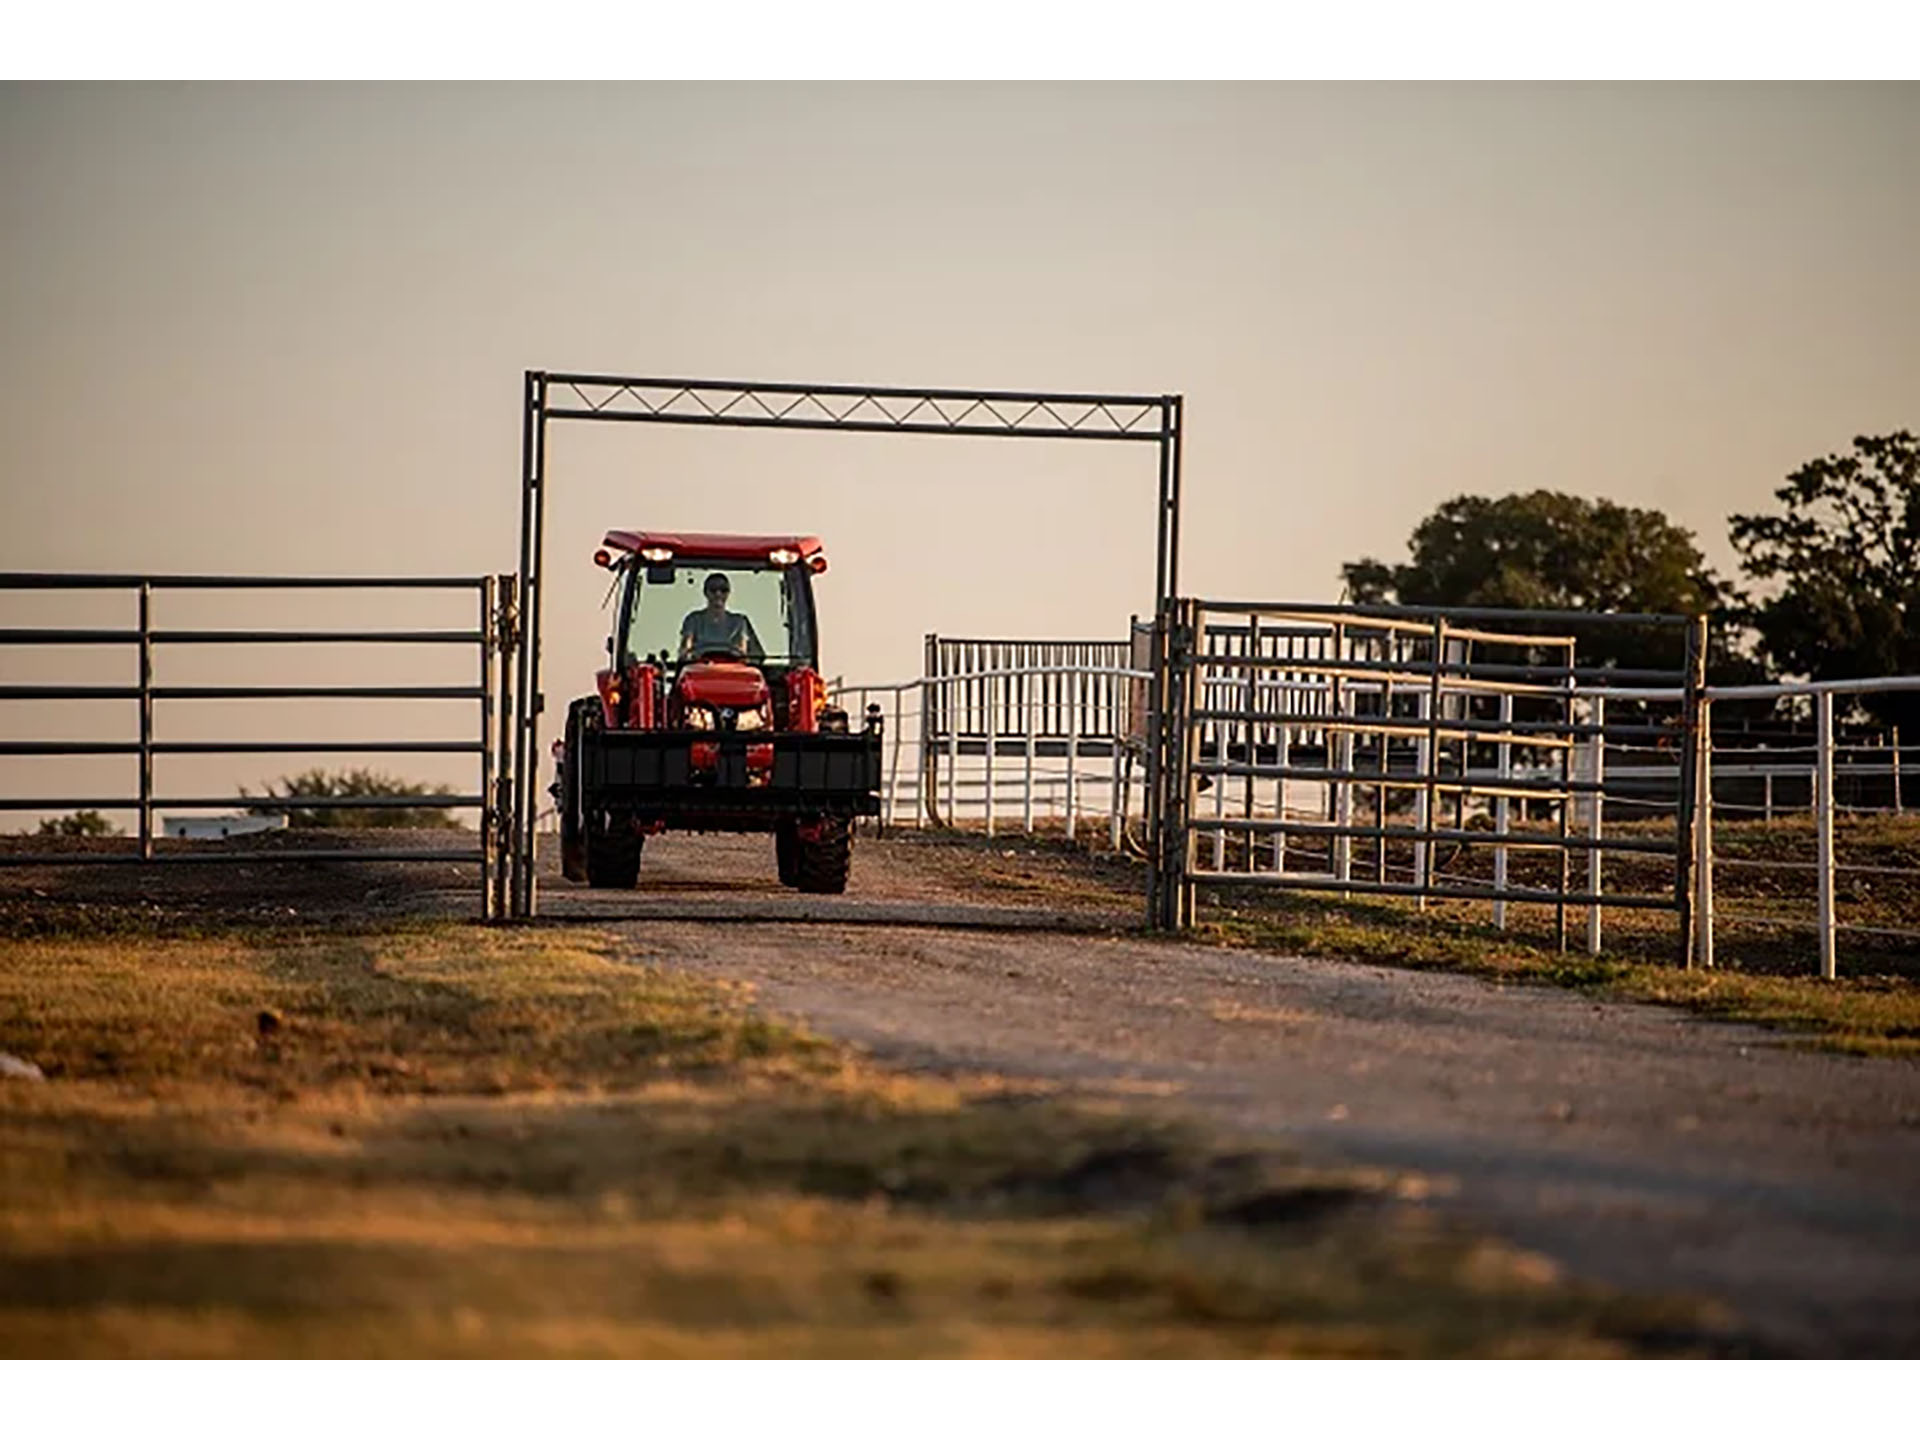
[1845, 550]
[1550, 551]
[82, 823]
[351, 784]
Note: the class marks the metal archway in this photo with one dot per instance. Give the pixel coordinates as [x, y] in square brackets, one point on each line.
[1147, 419]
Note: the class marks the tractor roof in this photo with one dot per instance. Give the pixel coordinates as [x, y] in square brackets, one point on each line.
[687, 545]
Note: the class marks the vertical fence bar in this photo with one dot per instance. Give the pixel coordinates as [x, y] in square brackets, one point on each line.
[1597, 773]
[930, 731]
[1823, 829]
[1251, 749]
[950, 711]
[993, 743]
[1214, 699]
[146, 720]
[487, 823]
[1566, 806]
[1430, 764]
[1423, 798]
[1029, 695]
[892, 811]
[1340, 758]
[1501, 803]
[1703, 845]
[506, 642]
[1283, 758]
[1895, 738]
[1684, 813]
[1073, 748]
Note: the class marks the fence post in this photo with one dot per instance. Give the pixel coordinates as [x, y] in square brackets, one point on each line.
[506, 621]
[1703, 843]
[1073, 745]
[1686, 814]
[1423, 798]
[1823, 829]
[1500, 807]
[1250, 734]
[950, 711]
[488, 823]
[1896, 770]
[993, 743]
[892, 809]
[1597, 773]
[146, 721]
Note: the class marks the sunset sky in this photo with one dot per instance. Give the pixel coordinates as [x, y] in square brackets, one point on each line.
[282, 329]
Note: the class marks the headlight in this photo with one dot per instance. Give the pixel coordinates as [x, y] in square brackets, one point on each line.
[699, 717]
[750, 720]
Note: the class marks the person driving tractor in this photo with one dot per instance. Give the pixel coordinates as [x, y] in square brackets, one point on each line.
[718, 628]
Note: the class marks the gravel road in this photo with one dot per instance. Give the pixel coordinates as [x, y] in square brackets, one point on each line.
[1636, 1145]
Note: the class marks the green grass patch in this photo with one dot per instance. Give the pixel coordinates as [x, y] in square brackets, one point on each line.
[1867, 1015]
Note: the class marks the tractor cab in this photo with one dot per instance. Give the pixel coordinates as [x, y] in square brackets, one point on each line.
[716, 630]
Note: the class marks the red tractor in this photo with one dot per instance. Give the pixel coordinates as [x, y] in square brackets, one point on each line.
[712, 714]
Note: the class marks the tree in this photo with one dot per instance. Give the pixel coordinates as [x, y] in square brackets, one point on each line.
[1845, 550]
[354, 784]
[1549, 551]
[81, 823]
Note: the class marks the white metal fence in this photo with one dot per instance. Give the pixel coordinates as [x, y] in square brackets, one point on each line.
[1023, 747]
[1847, 856]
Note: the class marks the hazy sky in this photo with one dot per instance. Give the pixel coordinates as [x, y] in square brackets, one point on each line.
[283, 328]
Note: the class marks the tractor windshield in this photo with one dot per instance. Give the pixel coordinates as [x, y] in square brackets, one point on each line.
[757, 613]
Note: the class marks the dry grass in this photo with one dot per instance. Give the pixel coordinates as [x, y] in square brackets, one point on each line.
[449, 1141]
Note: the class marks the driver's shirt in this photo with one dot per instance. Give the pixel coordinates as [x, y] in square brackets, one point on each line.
[725, 631]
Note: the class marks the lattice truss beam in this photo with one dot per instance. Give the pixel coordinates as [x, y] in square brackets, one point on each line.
[834, 407]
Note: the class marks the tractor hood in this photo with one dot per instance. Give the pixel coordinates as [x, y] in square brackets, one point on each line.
[723, 683]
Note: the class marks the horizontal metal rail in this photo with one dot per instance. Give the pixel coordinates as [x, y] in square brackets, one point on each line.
[1487, 730]
[1310, 880]
[243, 747]
[241, 637]
[273, 803]
[1511, 839]
[1431, 613]
[1394, 780]
[13, 860]
[57, 580]
[243, 692]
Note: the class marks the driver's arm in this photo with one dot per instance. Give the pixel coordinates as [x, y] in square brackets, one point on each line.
[686, 636]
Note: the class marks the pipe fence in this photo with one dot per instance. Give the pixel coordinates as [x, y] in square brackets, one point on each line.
[489, 639]
[1440, 758]
[1850, 872]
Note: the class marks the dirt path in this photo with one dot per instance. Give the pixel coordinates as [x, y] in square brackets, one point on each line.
[1635, 1145]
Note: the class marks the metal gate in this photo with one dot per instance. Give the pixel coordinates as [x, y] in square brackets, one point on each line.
[1451, 754]
[490, 638]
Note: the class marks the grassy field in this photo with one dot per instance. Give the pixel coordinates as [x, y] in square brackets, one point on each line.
[442, 1140]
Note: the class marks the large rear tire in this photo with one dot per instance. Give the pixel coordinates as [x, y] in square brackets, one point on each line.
[613, 852]
[821, 865]
[786, 851]
[567, 799]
